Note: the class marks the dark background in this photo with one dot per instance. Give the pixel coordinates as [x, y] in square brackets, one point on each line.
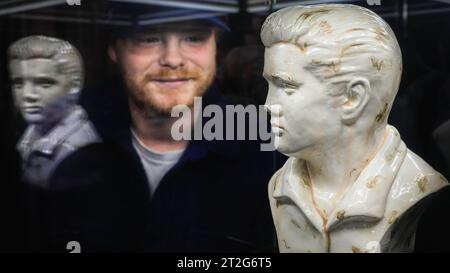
[421, 106]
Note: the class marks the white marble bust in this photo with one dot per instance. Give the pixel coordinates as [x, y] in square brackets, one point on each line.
[350, 184]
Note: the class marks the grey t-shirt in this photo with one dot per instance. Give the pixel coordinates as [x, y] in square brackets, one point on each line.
[156, 164]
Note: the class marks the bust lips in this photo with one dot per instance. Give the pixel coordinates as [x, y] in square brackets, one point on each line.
[32, 109]
[277, 130]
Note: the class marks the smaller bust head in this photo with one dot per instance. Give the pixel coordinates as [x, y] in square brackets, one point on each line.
[46, 75]
[333, 72]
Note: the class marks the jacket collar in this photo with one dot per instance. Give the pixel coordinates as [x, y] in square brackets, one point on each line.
[364, 202]
[61, 132]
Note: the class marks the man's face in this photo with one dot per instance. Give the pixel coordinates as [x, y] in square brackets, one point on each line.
[166, 67]
[37, 88]
[306, 116]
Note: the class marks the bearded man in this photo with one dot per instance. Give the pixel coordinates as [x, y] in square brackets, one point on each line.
[157, 193]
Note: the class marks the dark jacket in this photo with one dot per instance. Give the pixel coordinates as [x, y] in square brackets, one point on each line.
[213, 200]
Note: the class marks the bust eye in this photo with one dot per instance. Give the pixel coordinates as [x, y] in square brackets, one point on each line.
[45, 83]
[287, 87]
[289, 90]
[17, 84]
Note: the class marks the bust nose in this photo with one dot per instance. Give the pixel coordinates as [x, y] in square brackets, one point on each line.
[273, 109]
[29, 92]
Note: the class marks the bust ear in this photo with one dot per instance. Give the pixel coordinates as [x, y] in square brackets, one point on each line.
[74, 90]
[356, 95]
[76, 85]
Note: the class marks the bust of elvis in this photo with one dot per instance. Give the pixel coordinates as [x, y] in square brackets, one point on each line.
[350, 184]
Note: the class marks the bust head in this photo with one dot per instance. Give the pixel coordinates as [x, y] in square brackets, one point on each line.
[46, 75]
[332, 70]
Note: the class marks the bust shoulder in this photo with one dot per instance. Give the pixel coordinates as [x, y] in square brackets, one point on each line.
[80, 131]
[415, 180]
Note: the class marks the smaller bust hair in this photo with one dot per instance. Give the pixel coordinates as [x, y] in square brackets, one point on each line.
[67, 58]
[341, 40]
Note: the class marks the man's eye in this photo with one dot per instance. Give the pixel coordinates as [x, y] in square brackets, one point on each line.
[196, 38]
[147, 40]
[150, 40]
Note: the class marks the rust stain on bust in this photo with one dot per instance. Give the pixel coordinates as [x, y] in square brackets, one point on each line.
[286, 245]
[372, 182]
[314, 61]
[336, 66]
[377, 64]
[393, 217]
[357, 29]
[422, 182]
[354, 173]
[307, 14]
[349, 47]
[325, 26]
[277, 203]
[303, 47]
[381, 34]
[340, 214]
[297, 225]
[381, 115]
[389, 157]
[332, 68]
[357, 250]
[307, 180]
[275, 183]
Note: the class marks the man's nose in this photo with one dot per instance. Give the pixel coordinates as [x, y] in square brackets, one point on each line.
[172, 56]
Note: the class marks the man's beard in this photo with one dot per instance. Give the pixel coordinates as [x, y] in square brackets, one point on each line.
[142, 97]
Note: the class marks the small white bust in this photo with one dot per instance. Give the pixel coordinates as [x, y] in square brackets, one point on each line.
[46, 79]
[350, 184]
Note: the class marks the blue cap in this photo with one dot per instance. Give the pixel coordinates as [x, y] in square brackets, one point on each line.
[130, 18]
[182, 15]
